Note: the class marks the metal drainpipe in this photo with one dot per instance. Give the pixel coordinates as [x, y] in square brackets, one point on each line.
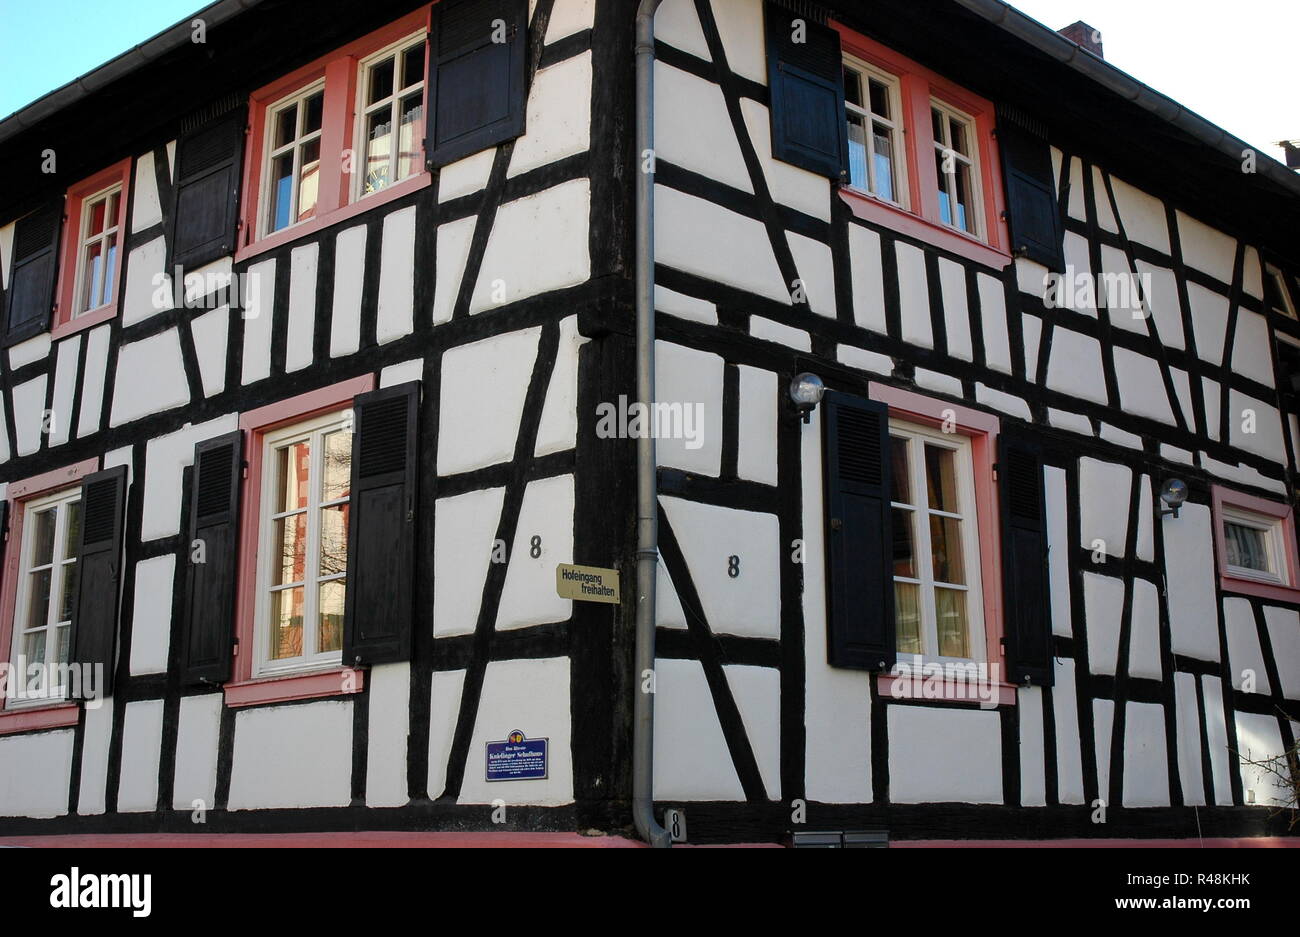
[647, 507]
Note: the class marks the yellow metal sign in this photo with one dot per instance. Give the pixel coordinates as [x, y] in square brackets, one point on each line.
[587, 583]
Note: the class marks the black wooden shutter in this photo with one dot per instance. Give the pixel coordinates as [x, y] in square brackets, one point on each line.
[806, 82]
[381, 526]
[476, 87]
[208, 638]
[33, 273]
[860, 578]
[99, 572]
[1028, 637]
[1032, 214]
[205, 198]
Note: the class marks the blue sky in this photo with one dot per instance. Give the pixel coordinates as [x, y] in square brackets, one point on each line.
[1231, 63]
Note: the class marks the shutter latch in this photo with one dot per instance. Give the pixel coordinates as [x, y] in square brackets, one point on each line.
[836, 523]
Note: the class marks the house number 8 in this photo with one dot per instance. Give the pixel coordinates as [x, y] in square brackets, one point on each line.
[733, 566]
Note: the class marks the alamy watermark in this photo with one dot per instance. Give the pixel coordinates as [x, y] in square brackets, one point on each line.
[660, 420]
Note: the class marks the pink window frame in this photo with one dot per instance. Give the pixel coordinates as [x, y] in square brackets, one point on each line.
[338, 128]
[917, 85]
[245, 689]
[982, 430]
[70, 250]
[1225, 497]
[56, 713]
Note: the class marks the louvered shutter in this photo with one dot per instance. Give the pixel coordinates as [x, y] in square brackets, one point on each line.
[806, 83]
[212, 554]
[1032, 214]
[476, 87]
[860, 581]
[205, 201]
[99, 573]
[381, 526]
[33, 273]
[1028, 637]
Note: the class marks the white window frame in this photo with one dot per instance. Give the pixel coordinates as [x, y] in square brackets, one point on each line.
[59, 501]
[270, 151]
[85, 239]
[964, 467]
[899, 155]
[1279, 572]
[975, 211]
[311, 660]
[363, 110]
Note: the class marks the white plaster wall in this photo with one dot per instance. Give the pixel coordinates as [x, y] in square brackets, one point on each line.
[533, 697]
[816, 269]
[993, 315]
[913, 295]
[756, 456]
[749, 604]
[867, 273]
[1259, 740]
[148, 289]
[34, 772]
[146, 210]
[1284, 636]
[1058, 549]
[151, 621]
[1074, 366]
[389, 686]
[444, 705]
[349, 277]
[303, 264]
[678, 25]
[1103, 603]
[150, 378]
[96, 737]
[165, 461]
[137, 789]
[1146, 761]
[691, 758]
[395, 316]
[65, 385]
[1188, 720]
[558, 116]
[1033, 775]
[944, 755]
[558, 429]
[788, 185]
[198, 732]
[952, 282]
[1205, 248]
[1143, 216]
[1103, 504]
[757, 692]
[693, 129]
[1189, 562]
[1217, 734]
[529, 596]
[484, 385]
[34, 349]
[464, 530]
[1245, 656]
[451, 253]
[29, 414]
[211, 332]
[1065, 712]
[92, 381]
[259, 310]
[693, 380]
[293, 756]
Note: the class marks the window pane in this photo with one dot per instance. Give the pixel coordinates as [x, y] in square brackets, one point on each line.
[70, 571]
[92, 276]
[331, 615]
[286, 624]
[95, 214]
[334, 540]
[957, 139]
[309, 181]
[950, 606]
[110, 217]
[72, 520]
[879, 99]
[289, 540]
[904, 544]
[381, 81]
[110, 271]
[337, 459]
[940, 478]
[965, 214]
[858, 154]
[852, 87]
[43, 537]
[34, 653]
[413, 65]
[286, 125]
[900, 484]
[293, 464]
[61, 652]
[936, 125]
[1247, 547]
[946, 550]
[379, 148]
[281, 191]
[884, 162]
[907, 617]
[312, 110]
[408, 139]
[945, 209]
[38, 603]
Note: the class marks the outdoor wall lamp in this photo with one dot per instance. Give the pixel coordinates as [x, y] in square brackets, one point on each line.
[806, 391]
[1173, 493]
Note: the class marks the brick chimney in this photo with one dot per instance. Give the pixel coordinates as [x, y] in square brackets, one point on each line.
[1085, 36]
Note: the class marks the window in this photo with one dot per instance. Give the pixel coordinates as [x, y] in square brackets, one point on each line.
[47, 581]
[1276, 294]
[304, 537]
[937, 604]
[1255, 542]
[293, 159]
[98, 250]
[955, 167]
[873, 112]
[392, 116]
